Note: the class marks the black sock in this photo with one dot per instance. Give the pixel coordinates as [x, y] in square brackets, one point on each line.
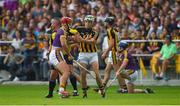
[73, 82]
[58, 80]
[52, 84]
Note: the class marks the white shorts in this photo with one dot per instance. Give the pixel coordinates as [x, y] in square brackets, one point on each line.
[88, 58]
[55, 57]
[132, 75]
[110, 57]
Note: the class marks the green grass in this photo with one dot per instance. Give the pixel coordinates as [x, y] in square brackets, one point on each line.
[34, 95]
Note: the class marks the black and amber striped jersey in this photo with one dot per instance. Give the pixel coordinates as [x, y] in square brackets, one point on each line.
[87, 33]
[111, 33]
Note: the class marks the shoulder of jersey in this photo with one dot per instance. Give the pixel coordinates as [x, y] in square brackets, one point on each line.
[73, 31]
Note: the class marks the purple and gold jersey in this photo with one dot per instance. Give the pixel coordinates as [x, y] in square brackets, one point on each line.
[125, 56]
[56, 41]
[52, 38]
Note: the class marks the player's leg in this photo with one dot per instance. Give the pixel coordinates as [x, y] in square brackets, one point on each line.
[64, 69]
[147, 91]
[95, 67]
[83, 80]
[65, 75]
[76, 76]
[130, 79]
[131, 89]
[107, 73]
[84, 62]
[52, 82]
[121, 81]
[53, 59]
[73, 81]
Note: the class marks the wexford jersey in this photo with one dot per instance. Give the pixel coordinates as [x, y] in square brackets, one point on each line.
[87, 33]
[56, 41]
[52, 38]
[125, 56]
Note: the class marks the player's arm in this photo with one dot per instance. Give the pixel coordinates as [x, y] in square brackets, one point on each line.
[75, 45]
[123, 66]
[79, 39]
[64, 44]
[93, 39]
[111, 45]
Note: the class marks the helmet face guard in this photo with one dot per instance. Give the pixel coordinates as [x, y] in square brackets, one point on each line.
[122, 46]
[89, 18]
[109, 20]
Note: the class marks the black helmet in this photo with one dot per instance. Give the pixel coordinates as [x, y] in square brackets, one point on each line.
[109, 20]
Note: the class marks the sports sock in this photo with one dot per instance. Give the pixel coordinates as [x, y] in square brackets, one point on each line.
[73, 82]
[62, 86]
[52, 84]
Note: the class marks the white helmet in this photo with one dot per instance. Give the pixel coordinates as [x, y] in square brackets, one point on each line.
[89, 18]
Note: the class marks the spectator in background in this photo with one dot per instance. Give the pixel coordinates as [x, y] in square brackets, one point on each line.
[164, 33]
[12, 62]
[4, 46]
[56, 11]
[154, 28]
[44, 66]
[5, 18]
[20, 28]
[176, 36]
[29, 45]
[167, 53]
[17, 42]
[10, 28]
[11, 5]
[102, 14]
[15, 15]
[37, 11]
[148, 15]
[153, 46]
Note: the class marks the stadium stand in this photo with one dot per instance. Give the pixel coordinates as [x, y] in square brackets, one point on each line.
[25, 24]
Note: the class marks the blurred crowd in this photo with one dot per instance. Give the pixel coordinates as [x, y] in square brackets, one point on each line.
[27, 23]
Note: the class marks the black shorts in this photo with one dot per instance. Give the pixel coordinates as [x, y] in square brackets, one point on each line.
[69, 62]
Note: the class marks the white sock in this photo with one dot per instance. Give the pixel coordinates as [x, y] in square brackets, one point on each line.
[61, 89]
[161, 74]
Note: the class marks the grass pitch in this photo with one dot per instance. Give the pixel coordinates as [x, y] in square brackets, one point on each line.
[35, 95]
